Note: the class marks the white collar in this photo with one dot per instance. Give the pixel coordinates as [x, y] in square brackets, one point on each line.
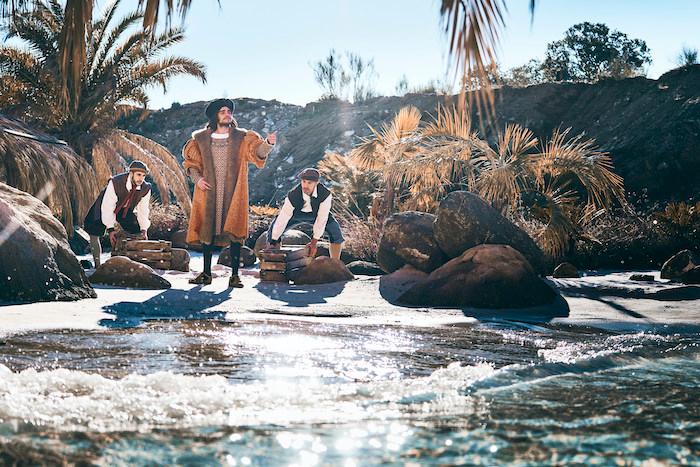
[219, 135]
[314, 194]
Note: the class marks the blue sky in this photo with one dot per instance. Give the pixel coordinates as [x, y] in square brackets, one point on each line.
[264, 49]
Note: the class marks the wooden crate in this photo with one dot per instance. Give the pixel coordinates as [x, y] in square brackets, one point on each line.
[147, 245]
[273, 266]
[154, 253]
[273, 276]
[283, 264]
[273, 256]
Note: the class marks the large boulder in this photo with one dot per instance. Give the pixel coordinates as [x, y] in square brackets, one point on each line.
[80, 241]
[365, 268]
[464, 220]
[392, 286]
[677, 265]
[36, 262]
[407, 238]
[486, 276]
[323, 270]
[121, 271]
[566, 271]
[180, 260]
[178, 239]
[247, 257]
[692, 276]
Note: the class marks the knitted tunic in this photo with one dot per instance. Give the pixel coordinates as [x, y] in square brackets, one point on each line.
[219, 151]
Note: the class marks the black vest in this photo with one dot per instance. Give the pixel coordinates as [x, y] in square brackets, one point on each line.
[296, 197]
[93, 220]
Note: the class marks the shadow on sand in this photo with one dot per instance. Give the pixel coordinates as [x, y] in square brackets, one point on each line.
[172, 304]
[607, 293]
[391, 289]
[300, 296]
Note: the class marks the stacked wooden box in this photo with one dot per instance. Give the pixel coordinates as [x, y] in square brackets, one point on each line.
[154, 253]
[282, 265]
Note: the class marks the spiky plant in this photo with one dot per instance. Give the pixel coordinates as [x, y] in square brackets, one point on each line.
[555, 188]
[504, 169]
[351, 186]
[446, 153]
[48, 169]
[120, 65]
[386, 147]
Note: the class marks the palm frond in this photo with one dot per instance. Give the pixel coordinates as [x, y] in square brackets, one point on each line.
[150, 17]
[474, 28]
[381, 146]
[450, 122]
[504, 169]
[560, 227]
[368, 155]
[582, 160]
[30, 164]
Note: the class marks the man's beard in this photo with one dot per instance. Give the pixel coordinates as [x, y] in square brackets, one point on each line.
[224, 124]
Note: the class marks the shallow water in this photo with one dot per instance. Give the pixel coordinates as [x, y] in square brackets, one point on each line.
[276, 392]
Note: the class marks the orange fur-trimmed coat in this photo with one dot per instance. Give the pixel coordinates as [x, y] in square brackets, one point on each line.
[245, 146]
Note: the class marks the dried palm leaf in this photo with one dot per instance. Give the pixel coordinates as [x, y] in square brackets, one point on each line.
[31, 161]
[504, 169]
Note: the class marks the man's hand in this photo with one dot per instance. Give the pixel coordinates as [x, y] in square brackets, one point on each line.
[272, 246]
[271, 138]
[113, 238]
[144, 234]
[203, 185]
[312, 248]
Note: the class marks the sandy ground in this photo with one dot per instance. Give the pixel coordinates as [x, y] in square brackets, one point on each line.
[605, 300]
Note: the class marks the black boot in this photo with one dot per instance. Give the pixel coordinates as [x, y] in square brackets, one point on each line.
[202, 279]
[235, 281]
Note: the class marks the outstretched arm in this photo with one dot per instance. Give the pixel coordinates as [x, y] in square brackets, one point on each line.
[257, 149]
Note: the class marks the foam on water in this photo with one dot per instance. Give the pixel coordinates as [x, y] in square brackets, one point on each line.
[69, 400]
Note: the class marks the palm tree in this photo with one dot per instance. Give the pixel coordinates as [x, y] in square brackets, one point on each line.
[118, 69]
[474, 28]
[75, 31]
[385, 148]
[418, 164]
[553, 189]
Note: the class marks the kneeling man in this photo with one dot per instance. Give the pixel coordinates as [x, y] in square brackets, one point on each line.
[125, 200]
[308, 203]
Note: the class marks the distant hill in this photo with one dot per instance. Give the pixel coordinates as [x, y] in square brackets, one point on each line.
[650, 127]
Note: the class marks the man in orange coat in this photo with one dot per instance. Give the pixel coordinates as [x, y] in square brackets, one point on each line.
[216, 159]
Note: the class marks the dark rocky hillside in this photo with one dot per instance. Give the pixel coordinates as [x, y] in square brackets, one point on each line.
[650, 127]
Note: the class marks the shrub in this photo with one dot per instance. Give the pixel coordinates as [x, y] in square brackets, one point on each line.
[361, 236]
[165, 221]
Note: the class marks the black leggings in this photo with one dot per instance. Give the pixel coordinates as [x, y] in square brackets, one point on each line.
[235, 257]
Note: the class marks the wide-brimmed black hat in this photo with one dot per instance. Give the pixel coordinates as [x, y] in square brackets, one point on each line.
[138, 166]
[216, 105]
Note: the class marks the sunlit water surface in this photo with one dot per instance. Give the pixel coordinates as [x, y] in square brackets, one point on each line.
[298, 393]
